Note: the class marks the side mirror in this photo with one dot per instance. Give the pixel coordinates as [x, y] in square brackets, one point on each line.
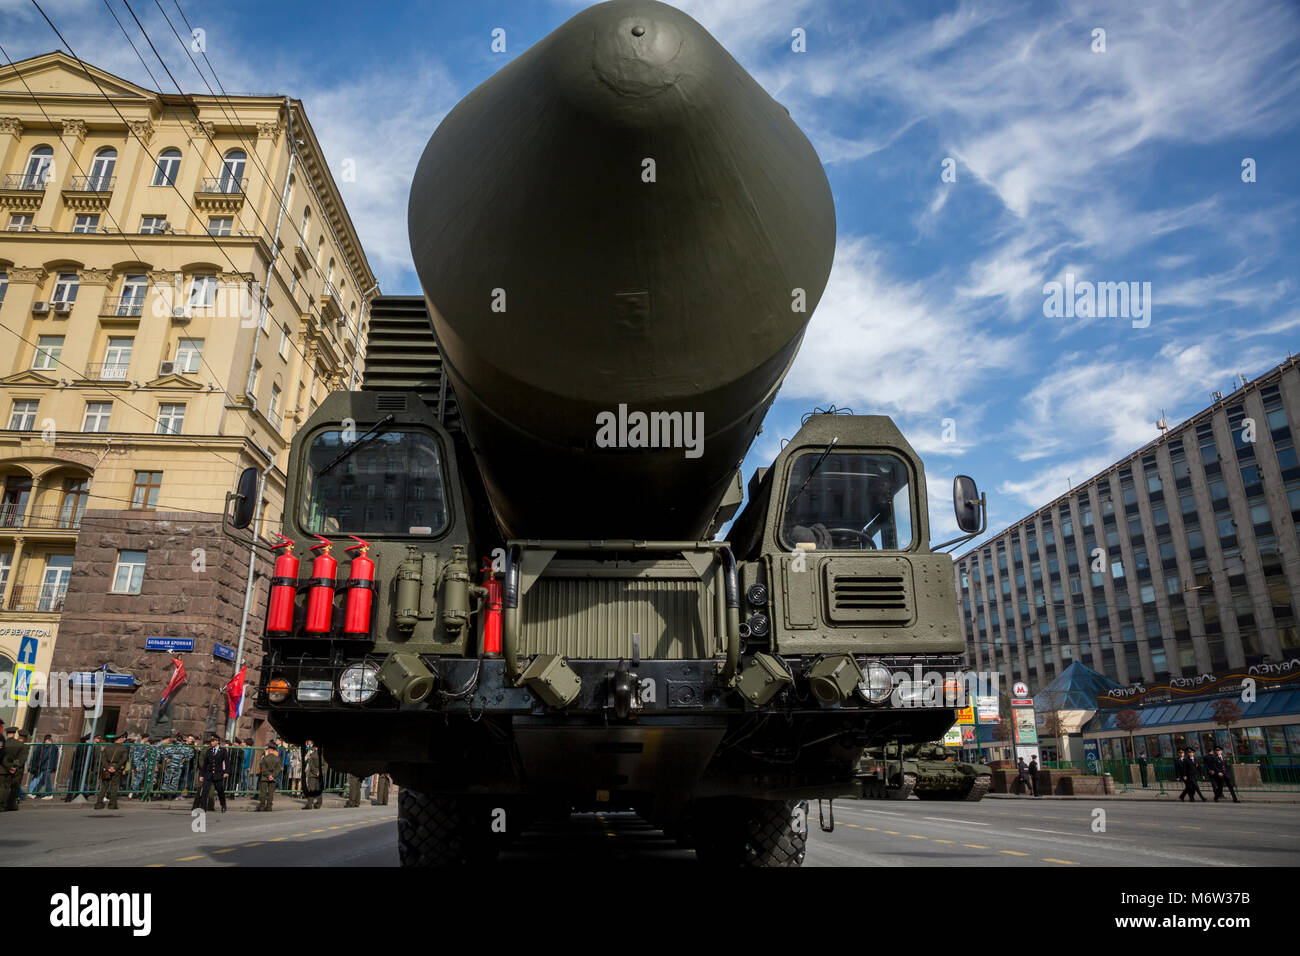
[966, 503]
[246, 498]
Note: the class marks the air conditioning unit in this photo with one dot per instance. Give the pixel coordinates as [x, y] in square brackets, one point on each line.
[62, 308]
[40, 308]
[167, 368]
[180, 314]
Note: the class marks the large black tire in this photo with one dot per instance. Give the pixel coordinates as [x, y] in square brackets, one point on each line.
[753, 833]
[904, 791]
[442, 831]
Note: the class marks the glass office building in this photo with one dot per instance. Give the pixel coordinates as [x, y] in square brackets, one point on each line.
[1181, 559]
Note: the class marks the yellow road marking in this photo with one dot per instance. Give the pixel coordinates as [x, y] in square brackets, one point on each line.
[278, 839]
[300, 834]
[318, 831]
[186, 859]
[258, 843]
[975, 846]
[1013, 853]
[333, 828]
[229, 849]
[1185, 827]
[150, 866]
[943, 841]
[1148, 824]
[916, 836]
[1048, 859]
[892, 832]
[870, 828]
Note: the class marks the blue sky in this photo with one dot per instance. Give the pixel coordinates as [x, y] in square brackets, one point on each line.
[1122, 165]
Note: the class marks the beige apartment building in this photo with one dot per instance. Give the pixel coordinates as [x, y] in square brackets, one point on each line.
[180, 285]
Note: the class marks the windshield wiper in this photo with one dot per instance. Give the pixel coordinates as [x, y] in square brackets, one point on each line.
[812, 471]
[377, 429]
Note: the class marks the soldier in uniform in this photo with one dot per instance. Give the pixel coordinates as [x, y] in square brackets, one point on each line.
[1221, 774]
[112, 768]
[12, 760]
[214, 770]
[1193, 768]
[268, 769]
[141, 751]
[313, 776]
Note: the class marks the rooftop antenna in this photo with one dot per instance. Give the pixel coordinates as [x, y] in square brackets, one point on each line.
[1162, 423]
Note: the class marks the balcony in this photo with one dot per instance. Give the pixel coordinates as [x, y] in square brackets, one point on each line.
[123, 306]
[221, 193]
[107, 371]
[88, 192]
[39, 519]
[40, 598]
[23, 192]
[330, 305]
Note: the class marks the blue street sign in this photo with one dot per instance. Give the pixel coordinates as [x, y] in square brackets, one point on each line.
[110, 680]
[223, 652]
[27, 653]
[169, 644]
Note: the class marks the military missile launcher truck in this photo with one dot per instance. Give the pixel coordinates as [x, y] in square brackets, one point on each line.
[620, 238]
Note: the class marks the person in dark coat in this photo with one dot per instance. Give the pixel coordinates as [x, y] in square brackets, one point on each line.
[13, 756]
[1193, 768]
[214, 771]
[313, 776]
[1221, 774]
[114, 760]
[1033, 774]
[1026, 787]
[1142, 767]
[44, 768]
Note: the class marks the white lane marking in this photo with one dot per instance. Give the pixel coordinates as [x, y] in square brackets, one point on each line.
[1059, 832]
[969, 823]
[888, 813]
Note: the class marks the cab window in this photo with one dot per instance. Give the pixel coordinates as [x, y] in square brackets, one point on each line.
[387, 484]
[849, 502]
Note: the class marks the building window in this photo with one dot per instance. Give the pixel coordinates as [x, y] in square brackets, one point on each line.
[86, 223]
[273, 409]
[144, 494]
[252, 379]
[23, 416]
[189, 353]
[220, 225]
[170, 419]
[20, 222]
[39, 166]
[168, 168]
[101, 170]
[134, 289]
[65, 287]
[4, 285]
[305, 231]
[284, 341]
[129, 573]
[203, 291]
[49, 349]
[97, 416]
[232, 171]
[153, 225]
[117, 358]
[54, 583]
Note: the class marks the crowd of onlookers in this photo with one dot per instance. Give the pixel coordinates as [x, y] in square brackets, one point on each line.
[160, 767]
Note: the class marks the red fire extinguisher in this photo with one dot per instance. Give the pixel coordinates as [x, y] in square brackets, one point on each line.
[284, 585]
[491, 620]
[361, 590]
[320, 599]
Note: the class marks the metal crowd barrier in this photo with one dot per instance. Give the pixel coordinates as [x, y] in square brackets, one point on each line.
[1279, 772]
[155, 772]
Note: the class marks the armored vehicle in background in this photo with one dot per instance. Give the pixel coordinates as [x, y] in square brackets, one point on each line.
[620, 238]
[928, 770]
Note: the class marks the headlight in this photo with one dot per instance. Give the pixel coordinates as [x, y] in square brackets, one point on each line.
[278, 691]
[358, 683]
[876, 682]
[759, 625]
[315, 690]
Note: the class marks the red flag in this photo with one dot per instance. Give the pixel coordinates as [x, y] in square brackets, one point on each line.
[173, 685]
[235, 692]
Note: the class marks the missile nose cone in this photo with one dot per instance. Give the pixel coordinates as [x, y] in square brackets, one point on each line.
[636, 48]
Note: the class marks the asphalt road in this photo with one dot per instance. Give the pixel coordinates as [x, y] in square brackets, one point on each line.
[868, 833]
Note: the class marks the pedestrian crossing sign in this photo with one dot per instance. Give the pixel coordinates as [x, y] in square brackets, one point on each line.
[22, 685]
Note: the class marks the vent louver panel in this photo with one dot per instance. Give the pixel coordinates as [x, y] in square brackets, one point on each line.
[856, 596]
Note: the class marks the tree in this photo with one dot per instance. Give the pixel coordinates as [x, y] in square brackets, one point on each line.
[1225, 714]
[1129, 720]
